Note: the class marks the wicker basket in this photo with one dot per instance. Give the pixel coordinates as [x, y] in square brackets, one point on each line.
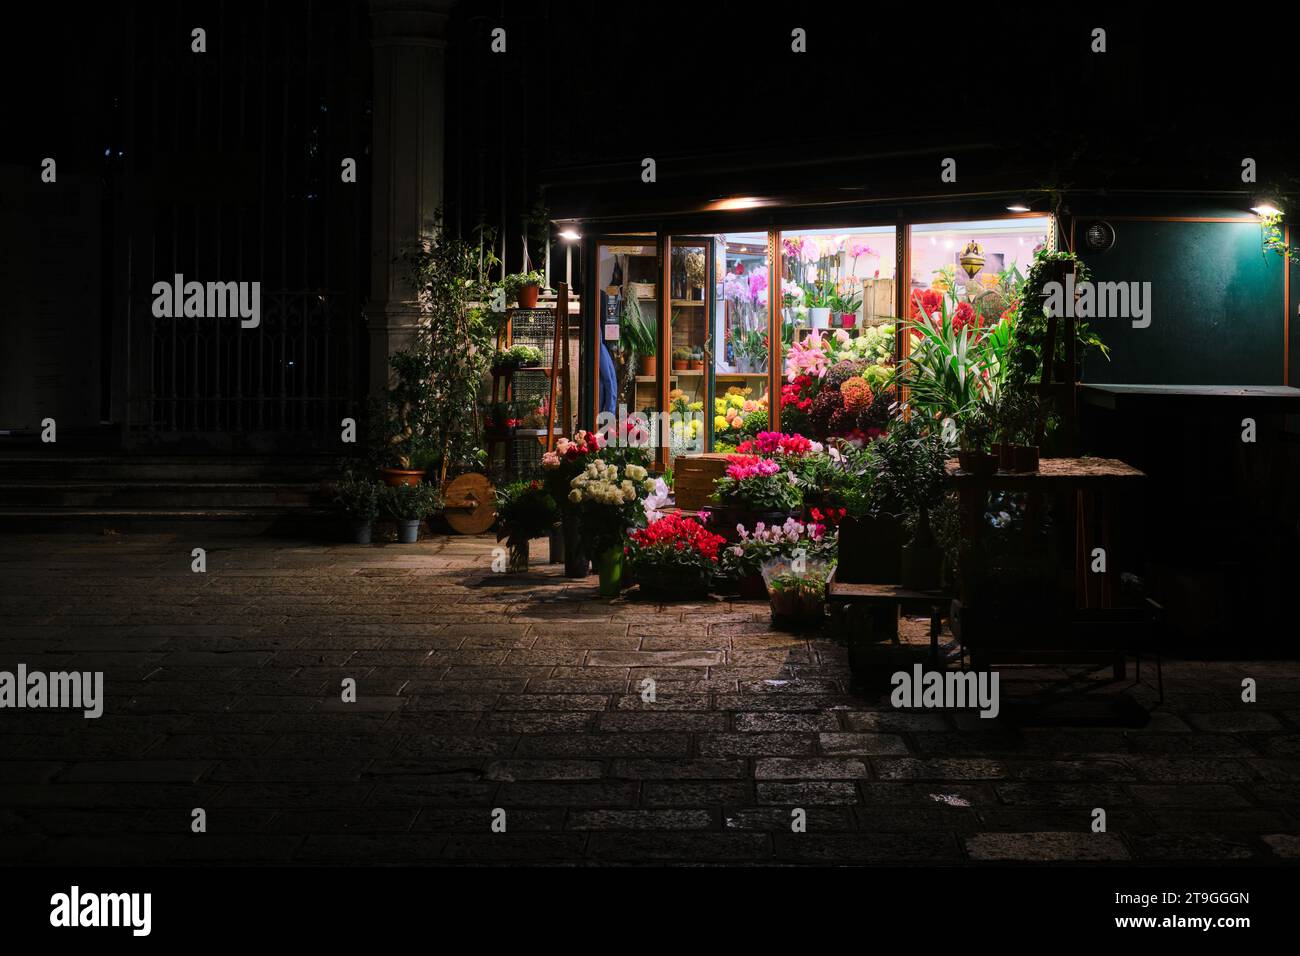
[694, 477]
[643, 290]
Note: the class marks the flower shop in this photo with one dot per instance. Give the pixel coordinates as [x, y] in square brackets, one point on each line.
[857, 421]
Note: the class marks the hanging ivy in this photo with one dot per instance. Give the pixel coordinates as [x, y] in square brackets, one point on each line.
[1030, 336]
[1271, 227]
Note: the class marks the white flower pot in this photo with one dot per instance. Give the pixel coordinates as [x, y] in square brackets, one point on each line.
[821, 318]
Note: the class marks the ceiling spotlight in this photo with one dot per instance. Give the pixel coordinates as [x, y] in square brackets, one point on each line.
[1018, 207]
[570, 235]
[737, 202]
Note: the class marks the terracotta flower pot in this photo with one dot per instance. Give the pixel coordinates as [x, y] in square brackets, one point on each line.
[528, 296]
[645, 365]
[400, 476]
[696, 365]
[681, 365]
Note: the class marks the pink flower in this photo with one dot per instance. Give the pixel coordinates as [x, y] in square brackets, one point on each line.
[740, 467]
[808, 357]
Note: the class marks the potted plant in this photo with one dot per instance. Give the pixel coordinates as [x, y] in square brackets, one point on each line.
[638, 335]
[681, 359]
[408, 505]
[908, 481]
[796, 589]
[358, 499]
[818, 299]
[408, 403]
[754, 488]
[510, 360]
[525, 510]
[743, 561]
[977, 427]
[501, 420]
[523, 287]
[1016, 420]
[696, 361]
[674, 557]
[454, 341]
[560, 466]
[609, 497]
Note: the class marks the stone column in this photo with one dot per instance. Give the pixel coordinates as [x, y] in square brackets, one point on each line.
[409, 39]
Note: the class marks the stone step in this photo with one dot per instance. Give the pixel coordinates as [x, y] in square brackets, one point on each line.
[25, 466]
[313, 522]
[172, 495]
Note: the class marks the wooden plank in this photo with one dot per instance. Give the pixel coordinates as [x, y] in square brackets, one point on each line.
[1052, 474]
[844, 590]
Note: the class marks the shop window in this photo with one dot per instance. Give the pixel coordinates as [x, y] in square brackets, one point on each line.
[741, 352]
[974, 264]
[838, 303]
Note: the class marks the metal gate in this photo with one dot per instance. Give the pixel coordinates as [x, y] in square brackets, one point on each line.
[229, 169]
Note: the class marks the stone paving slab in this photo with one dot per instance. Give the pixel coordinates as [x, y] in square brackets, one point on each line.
[521, 703]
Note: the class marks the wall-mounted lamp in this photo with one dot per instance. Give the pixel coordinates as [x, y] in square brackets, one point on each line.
[1265, 208]
[570, 235]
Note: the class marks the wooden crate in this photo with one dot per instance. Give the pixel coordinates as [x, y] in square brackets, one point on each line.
[693, 478]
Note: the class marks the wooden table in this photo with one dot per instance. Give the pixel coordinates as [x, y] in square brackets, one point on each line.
[1087, 478]
[844, 592]
[1191, 399]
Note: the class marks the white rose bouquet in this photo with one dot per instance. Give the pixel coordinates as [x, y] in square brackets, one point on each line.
[610, 501]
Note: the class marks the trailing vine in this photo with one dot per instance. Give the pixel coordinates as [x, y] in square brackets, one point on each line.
[1030, 335]
[1271, 227]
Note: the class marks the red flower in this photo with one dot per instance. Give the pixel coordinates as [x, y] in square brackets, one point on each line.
[926, 302]
[964, 316]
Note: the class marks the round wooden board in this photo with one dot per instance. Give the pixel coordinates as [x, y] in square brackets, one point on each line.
[470, 504]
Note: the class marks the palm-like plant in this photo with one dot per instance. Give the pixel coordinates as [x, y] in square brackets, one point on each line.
[951, 369]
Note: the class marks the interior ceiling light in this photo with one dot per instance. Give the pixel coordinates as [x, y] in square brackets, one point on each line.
[570, 234]
[737, 202]
[1018, 207]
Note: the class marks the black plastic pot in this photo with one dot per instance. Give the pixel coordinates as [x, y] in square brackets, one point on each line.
[922, 558]
[869, 550]
[576, 562]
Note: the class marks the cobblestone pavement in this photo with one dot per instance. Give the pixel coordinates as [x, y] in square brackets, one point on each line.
[477, 691]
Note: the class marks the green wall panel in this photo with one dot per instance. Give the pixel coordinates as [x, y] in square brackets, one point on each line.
[1216, 306]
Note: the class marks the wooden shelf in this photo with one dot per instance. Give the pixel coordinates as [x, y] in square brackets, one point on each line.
[741, 375]
[689, 303]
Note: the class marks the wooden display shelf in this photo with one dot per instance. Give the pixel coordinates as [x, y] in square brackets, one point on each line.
[689, 303]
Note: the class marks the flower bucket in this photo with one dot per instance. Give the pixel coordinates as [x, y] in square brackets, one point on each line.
[820, 318]
[408, 531]
[361, 532]
[518, 563]
[609, 565]
[556, 542]
[576, 562]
